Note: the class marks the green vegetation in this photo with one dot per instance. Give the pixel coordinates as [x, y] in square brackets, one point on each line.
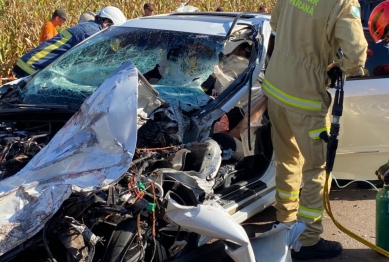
[21, 19]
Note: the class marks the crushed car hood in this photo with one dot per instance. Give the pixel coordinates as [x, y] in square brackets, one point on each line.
[92, 150]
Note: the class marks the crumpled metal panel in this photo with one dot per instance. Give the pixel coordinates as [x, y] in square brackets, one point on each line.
[25, 210]
[211, 220]
[92, 150]
[208, 153]
[275, 244]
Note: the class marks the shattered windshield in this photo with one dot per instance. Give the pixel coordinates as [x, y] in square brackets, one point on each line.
[176, 63]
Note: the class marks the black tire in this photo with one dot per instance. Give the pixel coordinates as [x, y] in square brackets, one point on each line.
[122, 246]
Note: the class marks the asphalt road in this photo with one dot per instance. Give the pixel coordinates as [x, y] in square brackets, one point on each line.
[352, 206]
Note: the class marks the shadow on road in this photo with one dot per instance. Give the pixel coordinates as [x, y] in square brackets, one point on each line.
[353, 192]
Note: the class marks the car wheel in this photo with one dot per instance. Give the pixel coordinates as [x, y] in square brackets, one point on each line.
[122, 246]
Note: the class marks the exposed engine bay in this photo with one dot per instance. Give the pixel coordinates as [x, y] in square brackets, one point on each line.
[90, 226]
[132, 211]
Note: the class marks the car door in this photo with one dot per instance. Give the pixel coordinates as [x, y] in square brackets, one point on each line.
[364, 138]
[239, 87]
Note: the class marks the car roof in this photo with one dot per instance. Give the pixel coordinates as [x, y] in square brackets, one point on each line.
[210, 23]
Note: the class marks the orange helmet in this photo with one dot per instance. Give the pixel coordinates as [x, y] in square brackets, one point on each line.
[378, 20]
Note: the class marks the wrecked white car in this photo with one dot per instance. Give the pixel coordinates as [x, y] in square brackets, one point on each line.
[172, 149]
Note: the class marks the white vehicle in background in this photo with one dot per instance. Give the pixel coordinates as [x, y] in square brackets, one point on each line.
[363, 139]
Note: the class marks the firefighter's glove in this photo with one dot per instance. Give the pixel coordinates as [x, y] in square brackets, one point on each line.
[334, 74]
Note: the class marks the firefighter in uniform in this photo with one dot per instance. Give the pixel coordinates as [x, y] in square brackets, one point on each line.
[308, 35]
[50, 50]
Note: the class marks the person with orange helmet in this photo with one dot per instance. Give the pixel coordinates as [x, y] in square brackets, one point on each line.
[379, 30]
[379, 23]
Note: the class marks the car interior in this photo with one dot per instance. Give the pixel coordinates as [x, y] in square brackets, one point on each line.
[244, 159]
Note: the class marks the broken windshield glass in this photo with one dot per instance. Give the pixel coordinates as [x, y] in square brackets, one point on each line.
[168, 59]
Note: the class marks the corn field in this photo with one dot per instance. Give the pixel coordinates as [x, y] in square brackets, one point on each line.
[21, 20]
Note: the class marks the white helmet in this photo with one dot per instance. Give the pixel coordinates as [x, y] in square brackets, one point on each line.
[85, 17]
[112, 13]
[187, 8]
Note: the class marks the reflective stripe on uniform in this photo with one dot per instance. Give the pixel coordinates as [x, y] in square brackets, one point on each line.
[66, 35]
[26, 68]
[288, 195]
[291, 100]
[315, 134]
[310, 213]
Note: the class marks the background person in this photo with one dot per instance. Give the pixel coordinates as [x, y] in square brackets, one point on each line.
[263, 9]
[148, 9]
[48, 29]
[307, 39]
[87, 16]
[50, 50]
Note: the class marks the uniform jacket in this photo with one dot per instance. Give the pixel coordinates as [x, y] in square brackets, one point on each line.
[308, 35]
[50, 50]
[48, 31]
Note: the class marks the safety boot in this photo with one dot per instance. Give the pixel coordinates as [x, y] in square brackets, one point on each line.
[322, 249]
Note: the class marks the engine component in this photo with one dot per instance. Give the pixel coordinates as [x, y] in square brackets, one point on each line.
[165, 127]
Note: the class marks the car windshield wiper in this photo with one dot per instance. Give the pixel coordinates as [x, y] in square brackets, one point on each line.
[53, 106]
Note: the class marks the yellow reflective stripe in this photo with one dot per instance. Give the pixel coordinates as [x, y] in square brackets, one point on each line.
[45, 51]
[310, 213]
[288, 195]
[26, 68]
[291, 100]
[315, 134]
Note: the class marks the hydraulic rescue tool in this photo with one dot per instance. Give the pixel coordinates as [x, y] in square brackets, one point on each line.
[337, 81]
